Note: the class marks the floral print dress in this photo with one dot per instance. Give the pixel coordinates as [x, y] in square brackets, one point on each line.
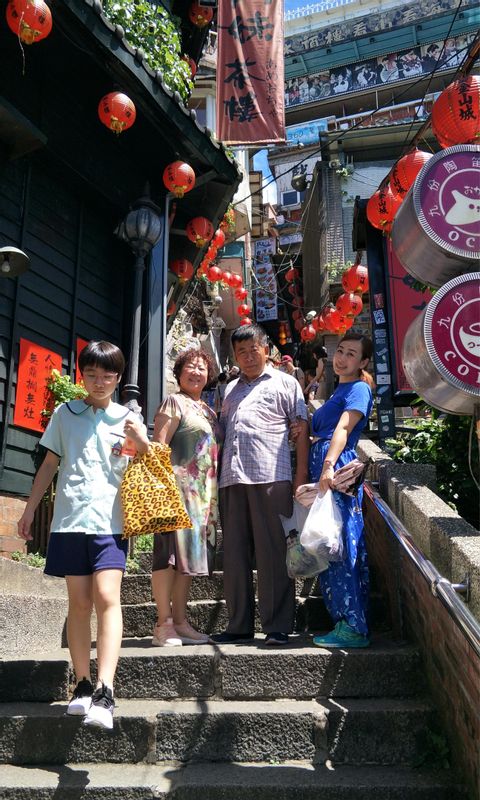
[195, 450]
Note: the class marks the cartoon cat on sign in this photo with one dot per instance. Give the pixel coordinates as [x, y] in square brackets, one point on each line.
[465, 211]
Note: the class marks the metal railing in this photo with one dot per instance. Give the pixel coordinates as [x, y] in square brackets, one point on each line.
[440, 587]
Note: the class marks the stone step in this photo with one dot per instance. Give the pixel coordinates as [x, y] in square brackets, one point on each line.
[347, 732]
[138, 589]
[261, 781]
[210, 616]
[233, 672]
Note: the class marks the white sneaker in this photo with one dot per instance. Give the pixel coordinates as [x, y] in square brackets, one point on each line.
[189, 635]
[100, 713]
[165, 635]
[82, 699]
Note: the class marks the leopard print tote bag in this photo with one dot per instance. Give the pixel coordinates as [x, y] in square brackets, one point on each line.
[151, 500]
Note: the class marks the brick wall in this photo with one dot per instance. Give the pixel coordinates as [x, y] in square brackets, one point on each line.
[11, 509]
[451, 666]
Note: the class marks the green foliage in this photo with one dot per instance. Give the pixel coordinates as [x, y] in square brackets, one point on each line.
[133, 566]
[30, 559]
[335, 269]
[443, 442]
[144, 543]
[62, 389]
[157, 32]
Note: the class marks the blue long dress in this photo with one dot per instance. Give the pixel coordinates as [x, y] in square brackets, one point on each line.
[345, 584]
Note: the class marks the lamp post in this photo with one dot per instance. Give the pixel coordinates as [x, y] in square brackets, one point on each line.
[141, 229]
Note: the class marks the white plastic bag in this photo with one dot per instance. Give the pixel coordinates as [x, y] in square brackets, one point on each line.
[322, 532]
[300, 564]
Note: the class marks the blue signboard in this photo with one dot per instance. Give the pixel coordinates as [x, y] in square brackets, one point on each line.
[307, 132]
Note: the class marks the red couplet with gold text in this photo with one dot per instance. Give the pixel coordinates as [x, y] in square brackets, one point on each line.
[34, 369]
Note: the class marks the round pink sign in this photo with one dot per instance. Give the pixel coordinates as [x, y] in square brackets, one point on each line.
[447, 200]
[452, 331]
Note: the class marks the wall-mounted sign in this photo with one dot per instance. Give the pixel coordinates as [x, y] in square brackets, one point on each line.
[307, 132]
[406, 304]
[265, 281]
[441, 352]
[34, 369]
[436, 232]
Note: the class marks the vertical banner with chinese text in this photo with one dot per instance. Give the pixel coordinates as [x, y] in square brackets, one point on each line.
[406, 304]
[265, 281]
[34, 369]
[250, 72]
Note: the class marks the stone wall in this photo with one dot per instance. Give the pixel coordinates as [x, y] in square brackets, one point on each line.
[452, 667]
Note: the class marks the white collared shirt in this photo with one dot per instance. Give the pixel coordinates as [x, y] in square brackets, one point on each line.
[256, 416]
[87, 498]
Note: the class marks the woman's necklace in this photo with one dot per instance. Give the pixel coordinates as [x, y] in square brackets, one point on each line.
[199, 405]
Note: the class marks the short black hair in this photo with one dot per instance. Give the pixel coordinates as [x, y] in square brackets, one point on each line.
[245, 332]
[105, 355]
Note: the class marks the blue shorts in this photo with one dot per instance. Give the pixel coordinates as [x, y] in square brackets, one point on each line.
[84, 554]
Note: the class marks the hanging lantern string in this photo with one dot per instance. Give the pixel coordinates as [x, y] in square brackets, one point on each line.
[341, 134]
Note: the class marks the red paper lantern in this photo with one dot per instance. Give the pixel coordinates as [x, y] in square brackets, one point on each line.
[297, 314]
[293, 289]
[30, 20]
[298, 301]
[349, 304]
[456, 113]
[219, 239]
[117, 111]
[243, 310]
[236, 281]
[211, 253]
[199, 231]
[191, 63]
[292, 275]
[241, 294]
[299, 324]
[404, 172]
[355, 279]
[308, 333]
[332, 319]
[214, 274]
[318, 323]
[347, 322]
[246, 321]
[381, 209]
[182, 268]
[200, 15]
[178, 178]
[226, 278]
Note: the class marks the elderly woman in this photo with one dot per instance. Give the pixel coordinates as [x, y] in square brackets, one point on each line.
[190, 427]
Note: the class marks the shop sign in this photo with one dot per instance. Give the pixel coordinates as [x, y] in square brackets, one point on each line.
[250, 72]
[266, 307]
[34, 370]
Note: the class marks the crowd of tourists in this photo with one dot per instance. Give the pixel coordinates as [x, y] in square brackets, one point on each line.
[232, 463]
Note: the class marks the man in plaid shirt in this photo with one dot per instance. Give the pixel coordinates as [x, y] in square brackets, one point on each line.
[256, 486]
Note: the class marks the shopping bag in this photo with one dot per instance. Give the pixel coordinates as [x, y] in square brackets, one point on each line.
[300, 564]
[322, 533]
[151, 499]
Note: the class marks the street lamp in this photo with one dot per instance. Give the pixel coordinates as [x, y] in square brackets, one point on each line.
[141, 229]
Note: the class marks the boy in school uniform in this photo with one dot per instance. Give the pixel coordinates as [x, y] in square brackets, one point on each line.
[85, 441]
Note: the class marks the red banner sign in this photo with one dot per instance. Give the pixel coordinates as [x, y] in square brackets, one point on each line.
[34, 369]
[81, 343]
[250, 72]
[406, 304]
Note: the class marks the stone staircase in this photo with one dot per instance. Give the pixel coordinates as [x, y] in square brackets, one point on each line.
[212, 723]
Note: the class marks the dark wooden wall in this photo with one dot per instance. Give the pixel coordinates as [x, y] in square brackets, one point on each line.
[77, 285]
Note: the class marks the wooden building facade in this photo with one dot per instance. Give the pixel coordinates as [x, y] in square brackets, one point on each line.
[66, 182]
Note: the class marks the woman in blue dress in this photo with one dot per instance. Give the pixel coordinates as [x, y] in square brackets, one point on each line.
[337, 426]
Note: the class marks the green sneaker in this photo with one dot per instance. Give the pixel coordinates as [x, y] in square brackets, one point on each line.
[342, 636]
